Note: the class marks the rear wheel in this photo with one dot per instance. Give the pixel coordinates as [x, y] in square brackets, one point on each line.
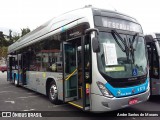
[53, 93]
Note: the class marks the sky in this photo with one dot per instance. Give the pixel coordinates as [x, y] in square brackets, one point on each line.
[18, 14]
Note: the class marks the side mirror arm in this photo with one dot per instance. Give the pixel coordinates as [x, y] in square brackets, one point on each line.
[89, 30]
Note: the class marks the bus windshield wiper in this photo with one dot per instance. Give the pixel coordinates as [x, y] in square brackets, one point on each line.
[132, 49]
[126, 49]
[114, 32]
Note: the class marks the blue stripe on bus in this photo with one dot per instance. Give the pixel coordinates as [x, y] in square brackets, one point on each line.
[122, 92]
[17, 75]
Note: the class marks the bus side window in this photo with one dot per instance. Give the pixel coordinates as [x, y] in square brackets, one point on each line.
[51, 56]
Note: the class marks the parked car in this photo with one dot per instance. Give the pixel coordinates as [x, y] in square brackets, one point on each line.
[3, 67]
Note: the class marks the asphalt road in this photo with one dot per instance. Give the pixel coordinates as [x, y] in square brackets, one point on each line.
[21, 99]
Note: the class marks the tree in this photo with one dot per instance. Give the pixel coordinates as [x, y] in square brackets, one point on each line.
[3, 41]
[15, 37]
[3, 52]
[24, 31]
[12, 38]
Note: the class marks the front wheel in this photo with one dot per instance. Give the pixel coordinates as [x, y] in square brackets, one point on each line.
[53, 93]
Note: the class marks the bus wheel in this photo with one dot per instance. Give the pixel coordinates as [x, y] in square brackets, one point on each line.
[53, 93]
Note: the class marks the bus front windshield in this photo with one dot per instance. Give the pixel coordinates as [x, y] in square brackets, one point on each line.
[121, 59]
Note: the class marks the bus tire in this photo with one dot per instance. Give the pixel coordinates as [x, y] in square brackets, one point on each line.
[53, 93]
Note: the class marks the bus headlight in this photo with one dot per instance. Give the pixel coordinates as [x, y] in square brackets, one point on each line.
[103, 89]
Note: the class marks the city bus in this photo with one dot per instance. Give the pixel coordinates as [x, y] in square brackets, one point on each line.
[153, 48]
[91, 58]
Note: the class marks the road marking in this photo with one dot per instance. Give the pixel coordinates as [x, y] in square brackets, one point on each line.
[5, 91]
[13, 102]
[25, 110]
[30, 93]
[27, 97]
[8, 87]
[29, 110]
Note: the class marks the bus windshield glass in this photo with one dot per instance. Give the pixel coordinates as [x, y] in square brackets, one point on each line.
[117, 60]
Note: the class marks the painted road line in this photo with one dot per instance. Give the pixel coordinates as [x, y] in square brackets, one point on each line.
[5, 91]
[26, 97]
[13, 102]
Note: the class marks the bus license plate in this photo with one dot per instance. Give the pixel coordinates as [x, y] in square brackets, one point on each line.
[133, 101]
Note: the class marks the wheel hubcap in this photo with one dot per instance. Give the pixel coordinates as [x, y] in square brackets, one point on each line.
[53, 92]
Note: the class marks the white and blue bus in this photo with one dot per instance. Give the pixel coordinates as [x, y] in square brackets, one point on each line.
[91, 58]
[153, 48]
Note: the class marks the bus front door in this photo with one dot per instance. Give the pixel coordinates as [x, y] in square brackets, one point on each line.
[70, 76]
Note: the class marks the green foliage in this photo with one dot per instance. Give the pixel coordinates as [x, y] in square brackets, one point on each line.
[3, 52]
[11, 39]
[24, 31]
[15, 37]
[3, 41]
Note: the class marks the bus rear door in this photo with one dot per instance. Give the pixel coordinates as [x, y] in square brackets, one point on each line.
[9, 71]
[24, 59]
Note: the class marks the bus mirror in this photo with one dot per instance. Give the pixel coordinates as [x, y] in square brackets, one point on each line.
[95, 44]
[88, 31]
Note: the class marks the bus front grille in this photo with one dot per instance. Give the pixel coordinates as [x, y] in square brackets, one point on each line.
[127, 83]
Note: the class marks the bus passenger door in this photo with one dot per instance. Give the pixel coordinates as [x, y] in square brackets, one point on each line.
[24, 68]
[70, 76]
[9, 71]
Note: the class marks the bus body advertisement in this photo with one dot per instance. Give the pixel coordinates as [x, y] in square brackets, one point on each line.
[91, 58]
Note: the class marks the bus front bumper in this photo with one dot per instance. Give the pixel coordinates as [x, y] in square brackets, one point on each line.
[102, 103]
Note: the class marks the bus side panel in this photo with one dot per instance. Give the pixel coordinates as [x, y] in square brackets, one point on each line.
[36, 81]
[155, 86]
[42, 79]
[31, 80]
[60, 87]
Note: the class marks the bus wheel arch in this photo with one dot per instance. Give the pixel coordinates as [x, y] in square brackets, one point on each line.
[52, 91]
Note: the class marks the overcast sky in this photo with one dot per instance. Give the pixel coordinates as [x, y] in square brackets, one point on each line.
[17, 14]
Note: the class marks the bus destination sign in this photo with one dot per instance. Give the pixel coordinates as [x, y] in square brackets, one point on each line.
[121, 24]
